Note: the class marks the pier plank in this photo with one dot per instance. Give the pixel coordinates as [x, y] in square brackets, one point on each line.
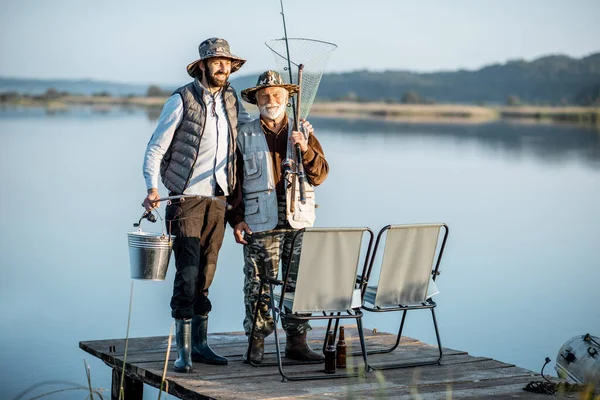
[459, 375]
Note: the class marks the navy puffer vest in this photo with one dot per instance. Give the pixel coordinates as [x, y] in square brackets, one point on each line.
[178, 162]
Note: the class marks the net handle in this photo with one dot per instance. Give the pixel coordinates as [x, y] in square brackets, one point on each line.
[298, 98]
[334, 46]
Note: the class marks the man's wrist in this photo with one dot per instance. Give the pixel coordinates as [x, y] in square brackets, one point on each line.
[308, 155]
[152, 190]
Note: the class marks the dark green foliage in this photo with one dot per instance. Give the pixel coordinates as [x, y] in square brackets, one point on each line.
[412, 97]
[156, 91]
[52, 94]
[551, 80]
[513, 100]
[590, 96]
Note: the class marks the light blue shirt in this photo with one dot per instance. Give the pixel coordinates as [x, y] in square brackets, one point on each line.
[211, 164]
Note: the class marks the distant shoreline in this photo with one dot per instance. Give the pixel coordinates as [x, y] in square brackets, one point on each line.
[412, 113]
[457, 112]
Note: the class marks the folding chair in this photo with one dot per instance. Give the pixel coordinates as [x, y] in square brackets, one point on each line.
[409, 267]
[326, 285]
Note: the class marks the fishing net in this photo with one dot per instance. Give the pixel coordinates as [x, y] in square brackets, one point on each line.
[313, 54]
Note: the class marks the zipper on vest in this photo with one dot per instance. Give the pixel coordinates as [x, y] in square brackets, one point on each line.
[203, 106]
[231, 173]
[214, 174]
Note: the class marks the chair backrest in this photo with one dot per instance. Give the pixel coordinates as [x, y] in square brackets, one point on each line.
[407, 264]
[327, 270]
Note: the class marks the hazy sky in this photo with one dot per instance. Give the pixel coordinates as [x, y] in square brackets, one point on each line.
[150, 41]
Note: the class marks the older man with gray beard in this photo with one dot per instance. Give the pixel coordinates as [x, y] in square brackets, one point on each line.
[261, 218]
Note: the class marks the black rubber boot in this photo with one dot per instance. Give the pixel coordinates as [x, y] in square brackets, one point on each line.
[258, 349]
[201, 351]
[183, 339]
[297, 348]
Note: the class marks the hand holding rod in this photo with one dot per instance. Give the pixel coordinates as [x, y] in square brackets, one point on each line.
[301, 178]
[298, 150]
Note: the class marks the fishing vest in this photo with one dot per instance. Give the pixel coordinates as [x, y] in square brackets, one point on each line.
[178, 162]
[259, 194]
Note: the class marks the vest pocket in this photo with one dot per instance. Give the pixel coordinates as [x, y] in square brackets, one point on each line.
[255, 211]
[252, 165]
[305, 212]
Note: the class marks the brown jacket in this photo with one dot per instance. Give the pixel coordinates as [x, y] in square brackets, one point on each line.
[315, 165]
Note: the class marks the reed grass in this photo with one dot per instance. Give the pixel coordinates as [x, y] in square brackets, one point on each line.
[89, 378]
[165, 385]
[121, 389]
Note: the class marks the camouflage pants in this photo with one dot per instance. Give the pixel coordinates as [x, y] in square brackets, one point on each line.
[262, 256]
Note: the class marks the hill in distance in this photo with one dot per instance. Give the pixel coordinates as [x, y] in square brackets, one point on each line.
[86, 87]
[548, 80]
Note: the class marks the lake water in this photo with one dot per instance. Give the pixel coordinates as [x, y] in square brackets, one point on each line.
[519, 277]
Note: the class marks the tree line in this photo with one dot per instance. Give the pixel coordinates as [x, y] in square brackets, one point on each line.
[551, 80]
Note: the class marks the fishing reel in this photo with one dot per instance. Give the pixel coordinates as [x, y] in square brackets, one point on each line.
[289, 166]
[146, 215]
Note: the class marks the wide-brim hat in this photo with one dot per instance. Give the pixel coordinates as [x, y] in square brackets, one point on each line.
[268, 79]
[215, 47]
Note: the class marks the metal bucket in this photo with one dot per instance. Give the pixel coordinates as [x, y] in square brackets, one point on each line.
[149, 255]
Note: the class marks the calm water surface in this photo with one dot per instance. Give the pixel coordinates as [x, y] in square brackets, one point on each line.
[519, 277]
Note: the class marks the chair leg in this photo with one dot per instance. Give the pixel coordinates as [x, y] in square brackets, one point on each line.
[363, 346]
[326, 330]
[277, 346]
[399, 332]
[415, 364]
[297, 377]
[437, 335]
[383, 351]
[279, 352]
[337, 324]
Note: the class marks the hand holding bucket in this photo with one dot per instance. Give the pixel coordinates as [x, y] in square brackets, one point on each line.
[149, 253]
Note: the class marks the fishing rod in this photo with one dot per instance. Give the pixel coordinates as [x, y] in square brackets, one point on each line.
[287, 50]
[296, 113]
[300, 166]
[181, 197]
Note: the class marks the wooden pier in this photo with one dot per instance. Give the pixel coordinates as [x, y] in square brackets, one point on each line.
[459, 376]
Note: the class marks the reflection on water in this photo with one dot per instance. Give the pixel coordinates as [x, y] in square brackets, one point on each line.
[519, 275]
[550, 143]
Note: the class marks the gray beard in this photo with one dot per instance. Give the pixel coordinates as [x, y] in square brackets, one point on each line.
[272, 115]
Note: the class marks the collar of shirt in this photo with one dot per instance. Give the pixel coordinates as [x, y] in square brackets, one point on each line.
[269, 131]
[208, 95]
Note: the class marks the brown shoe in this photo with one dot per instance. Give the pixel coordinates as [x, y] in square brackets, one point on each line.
[258, 350]
[297, 348]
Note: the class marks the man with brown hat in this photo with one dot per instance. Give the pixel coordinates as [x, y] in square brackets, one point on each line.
[193, 150]
[262, 218]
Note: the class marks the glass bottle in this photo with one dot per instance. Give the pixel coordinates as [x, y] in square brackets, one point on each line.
[329, 353]
[341, 350]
